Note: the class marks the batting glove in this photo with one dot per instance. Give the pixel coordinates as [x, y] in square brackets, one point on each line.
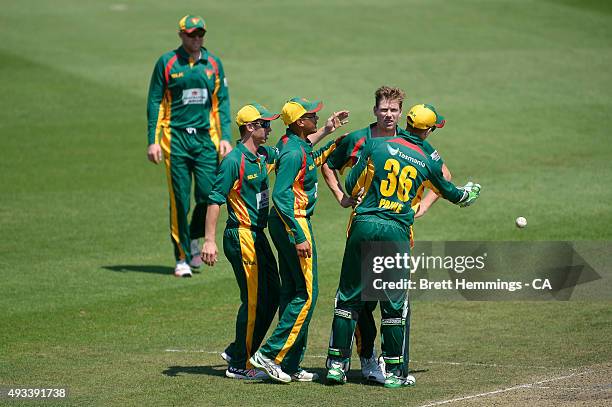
[471, 192]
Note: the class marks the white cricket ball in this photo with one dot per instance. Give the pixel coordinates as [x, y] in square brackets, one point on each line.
[520, 222]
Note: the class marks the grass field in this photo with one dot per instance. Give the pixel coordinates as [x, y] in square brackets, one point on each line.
[87, 296]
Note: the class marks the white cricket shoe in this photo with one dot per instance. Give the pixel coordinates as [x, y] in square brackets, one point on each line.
[303, 376]
[182, 269]
[272, 369]
[372, 369]
[245, 374]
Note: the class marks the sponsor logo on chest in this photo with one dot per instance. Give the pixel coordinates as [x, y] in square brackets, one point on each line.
[195, 96]
[263, 199]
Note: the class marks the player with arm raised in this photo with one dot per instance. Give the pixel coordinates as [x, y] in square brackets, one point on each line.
[390, 171]
[294, 197]
[387, 110]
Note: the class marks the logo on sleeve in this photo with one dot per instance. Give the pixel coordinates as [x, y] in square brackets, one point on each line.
[435, 155]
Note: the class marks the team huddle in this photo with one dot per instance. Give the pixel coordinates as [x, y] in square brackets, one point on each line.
[389, 169]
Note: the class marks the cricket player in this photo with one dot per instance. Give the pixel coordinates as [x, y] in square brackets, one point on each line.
[387, 110]
[189, 121]
[390, 172]
[294, 197]
[242, 182]
[421, 206]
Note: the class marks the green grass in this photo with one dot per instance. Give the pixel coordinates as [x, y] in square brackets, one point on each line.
[85, 261]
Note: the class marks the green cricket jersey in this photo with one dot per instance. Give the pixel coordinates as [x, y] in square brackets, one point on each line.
[242, 181]
[349, 149]
[185, 93]
[295, 190]
[392, 171]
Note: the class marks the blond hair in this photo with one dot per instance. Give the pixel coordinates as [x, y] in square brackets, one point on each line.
[389, 93]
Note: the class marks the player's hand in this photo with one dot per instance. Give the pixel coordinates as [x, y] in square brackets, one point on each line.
[154, 153]
[346, 201]
[209, 253]
[420, 211]
[224, 147]
[304, 249]
[336, 120]
[473, 192]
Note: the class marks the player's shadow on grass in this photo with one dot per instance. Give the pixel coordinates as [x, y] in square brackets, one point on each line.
[124, 268]
[215, 370]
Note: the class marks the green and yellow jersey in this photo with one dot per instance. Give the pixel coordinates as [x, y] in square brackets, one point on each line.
[349, 150]
[392, 171]
[186, 93]
[296, 188]
[242, 182]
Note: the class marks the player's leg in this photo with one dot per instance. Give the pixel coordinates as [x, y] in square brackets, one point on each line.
[239, 248]
[365, 332]
[267, 294]
[294, 320]
[365, 335]
[269, 287]
[348, 305]
[179, 185]
[293, 360]
[393, 329]
[204, 174]
[394, 312]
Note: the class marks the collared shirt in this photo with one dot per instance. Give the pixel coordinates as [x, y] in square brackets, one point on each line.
[187, 93]
[242, 182]
[296, 187]
[393, 172]
[350, 148]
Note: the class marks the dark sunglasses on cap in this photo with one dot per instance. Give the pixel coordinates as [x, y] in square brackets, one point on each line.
[264, 124]
[196, 33]
[310, 116]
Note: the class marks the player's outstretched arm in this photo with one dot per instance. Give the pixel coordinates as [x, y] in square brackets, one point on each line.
[462, 196]
[334, 122]
[431, 197]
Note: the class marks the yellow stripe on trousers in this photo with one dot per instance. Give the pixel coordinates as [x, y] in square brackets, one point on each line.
[249, 264]
[174, 229]
[306, 267]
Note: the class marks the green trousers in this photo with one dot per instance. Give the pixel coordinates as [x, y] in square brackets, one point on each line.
[298, 296]
[189, 154]
[251, 257]
[349, 305]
